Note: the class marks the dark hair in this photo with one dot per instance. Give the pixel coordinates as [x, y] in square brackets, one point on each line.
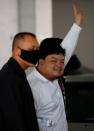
[20, 36]
[51, 46]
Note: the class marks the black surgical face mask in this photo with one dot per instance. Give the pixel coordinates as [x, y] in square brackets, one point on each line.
[30, 56]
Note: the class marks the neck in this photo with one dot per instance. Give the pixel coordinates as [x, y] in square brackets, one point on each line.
[20, 62]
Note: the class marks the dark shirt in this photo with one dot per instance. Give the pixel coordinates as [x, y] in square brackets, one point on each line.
[17, 112]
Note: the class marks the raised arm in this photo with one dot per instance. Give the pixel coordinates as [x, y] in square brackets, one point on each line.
[70, 41]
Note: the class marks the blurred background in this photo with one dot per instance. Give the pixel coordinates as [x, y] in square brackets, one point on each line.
[48, 18]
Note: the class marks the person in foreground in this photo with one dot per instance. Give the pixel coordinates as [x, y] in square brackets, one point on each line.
[17, 111]
[54, 55]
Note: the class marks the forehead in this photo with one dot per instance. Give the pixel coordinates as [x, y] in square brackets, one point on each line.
[55, 56]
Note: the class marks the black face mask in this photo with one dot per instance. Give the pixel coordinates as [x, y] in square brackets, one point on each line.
[30, 56]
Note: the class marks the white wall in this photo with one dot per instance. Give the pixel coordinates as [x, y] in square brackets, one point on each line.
[23, 15]
[43, 19]
[8, 27]
[26, 15]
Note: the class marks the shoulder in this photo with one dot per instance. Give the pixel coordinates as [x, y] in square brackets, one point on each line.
[34, 79]
[5, 72]
[37, 84]
[7, 76]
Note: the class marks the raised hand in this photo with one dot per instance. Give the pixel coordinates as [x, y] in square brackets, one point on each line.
[78, 17]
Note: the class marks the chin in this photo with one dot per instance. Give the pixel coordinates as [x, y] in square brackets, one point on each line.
[56, 76]
[59, 74]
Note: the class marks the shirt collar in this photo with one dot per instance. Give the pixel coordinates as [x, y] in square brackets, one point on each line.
[41, 77]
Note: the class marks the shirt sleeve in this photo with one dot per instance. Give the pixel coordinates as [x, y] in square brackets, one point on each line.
[70, 41]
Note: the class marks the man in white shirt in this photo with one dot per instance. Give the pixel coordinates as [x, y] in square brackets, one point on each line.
[54, 55]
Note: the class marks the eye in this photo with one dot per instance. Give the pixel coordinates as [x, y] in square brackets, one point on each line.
[53, 61]
[61, 62]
